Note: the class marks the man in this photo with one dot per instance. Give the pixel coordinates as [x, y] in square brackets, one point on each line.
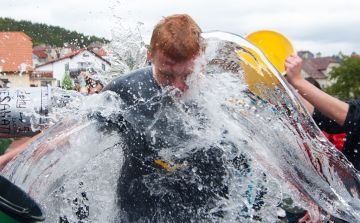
[150, 189]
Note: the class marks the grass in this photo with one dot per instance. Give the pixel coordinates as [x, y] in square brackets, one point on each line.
[4, 144]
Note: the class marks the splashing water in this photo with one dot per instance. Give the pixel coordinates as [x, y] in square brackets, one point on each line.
[127, 50]
[238, 133]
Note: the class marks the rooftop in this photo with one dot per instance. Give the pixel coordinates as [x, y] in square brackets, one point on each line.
[16, 52]
[314, 66]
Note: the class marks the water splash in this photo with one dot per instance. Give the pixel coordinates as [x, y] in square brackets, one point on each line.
[126, 50]
[238, 110]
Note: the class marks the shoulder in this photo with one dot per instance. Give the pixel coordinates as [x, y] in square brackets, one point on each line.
[129, 78]
[136, 84]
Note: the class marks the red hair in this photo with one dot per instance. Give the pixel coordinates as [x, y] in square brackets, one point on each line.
[177, 37]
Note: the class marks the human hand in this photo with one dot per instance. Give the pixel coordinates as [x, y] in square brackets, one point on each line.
[305, 219]
[85, 75]
[293, 66]
[316, 216]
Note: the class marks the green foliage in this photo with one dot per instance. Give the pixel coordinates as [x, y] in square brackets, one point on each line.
[347, 79]
[4, 144]
[66, 82]
[51, 35]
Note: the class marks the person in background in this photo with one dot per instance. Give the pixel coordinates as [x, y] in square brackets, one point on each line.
[330, 114]
[336, 139]
[91, 86]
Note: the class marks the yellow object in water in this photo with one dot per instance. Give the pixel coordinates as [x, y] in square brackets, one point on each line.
[275, 46]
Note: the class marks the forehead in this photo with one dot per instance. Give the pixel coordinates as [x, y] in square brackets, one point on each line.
[161, 60]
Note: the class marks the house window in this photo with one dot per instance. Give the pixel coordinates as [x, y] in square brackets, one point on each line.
[83, 65]
[103, 66]
[49, 51]
[58, 83]
[85, 55]
[67, 66]
[45, 83]
[33, 85]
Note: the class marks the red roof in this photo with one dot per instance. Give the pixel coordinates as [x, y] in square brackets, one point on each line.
[102, 52]
[314, 66]
[42, 47]
[72, 54]
[16, 49]
[39, 53]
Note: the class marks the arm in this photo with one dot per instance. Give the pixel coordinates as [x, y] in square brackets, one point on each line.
[328, 105]
[4, 159]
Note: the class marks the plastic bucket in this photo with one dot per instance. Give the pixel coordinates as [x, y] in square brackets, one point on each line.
[16, 205]
[276, 46]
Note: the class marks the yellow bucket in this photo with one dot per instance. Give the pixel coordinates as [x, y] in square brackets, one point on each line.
[276, 46]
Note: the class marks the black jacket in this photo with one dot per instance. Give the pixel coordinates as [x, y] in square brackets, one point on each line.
[351, 147]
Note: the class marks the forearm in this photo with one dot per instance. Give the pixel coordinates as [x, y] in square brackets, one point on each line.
[331, 107]
[4, 159]
[307, 104]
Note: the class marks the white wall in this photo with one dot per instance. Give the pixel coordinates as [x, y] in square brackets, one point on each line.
[96, 62]
[58, 67]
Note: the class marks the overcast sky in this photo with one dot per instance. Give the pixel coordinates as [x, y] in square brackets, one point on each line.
[325, 26]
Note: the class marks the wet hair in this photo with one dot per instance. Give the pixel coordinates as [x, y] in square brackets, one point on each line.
[90, 83]
[177, 37]
[313, 82]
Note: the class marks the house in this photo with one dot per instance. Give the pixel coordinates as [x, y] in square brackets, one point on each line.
[48, 50]
[16, 60]
[95, 46]
[103, 53]
[80, 60]
[42, 79]
[39, 57]
[305, 54]
[318, 68]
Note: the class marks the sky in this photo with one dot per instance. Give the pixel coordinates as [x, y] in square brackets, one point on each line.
[324, 26]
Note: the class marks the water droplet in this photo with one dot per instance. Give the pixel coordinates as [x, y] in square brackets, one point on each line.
[355, 151]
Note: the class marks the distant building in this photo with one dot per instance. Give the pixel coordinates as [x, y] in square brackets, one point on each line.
[16, 59]
[74, 63]
[104, 54]
[95, 46]
[48, 50]
[42, 79]
[318, 68]
[305, 54]
[39, 57]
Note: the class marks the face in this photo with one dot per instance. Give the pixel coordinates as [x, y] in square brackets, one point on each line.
[96, 89]
[168, 72]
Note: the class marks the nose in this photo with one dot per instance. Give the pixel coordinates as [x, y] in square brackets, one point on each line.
[179, 83]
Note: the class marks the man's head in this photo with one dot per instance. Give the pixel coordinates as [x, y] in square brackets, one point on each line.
[96, 88]
[174, 45]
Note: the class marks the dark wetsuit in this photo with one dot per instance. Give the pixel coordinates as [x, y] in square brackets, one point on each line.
[351, 126]
[146, 192]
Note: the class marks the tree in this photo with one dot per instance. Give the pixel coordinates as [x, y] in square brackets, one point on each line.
[347, 79]
[51, 35]
[67, 82]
